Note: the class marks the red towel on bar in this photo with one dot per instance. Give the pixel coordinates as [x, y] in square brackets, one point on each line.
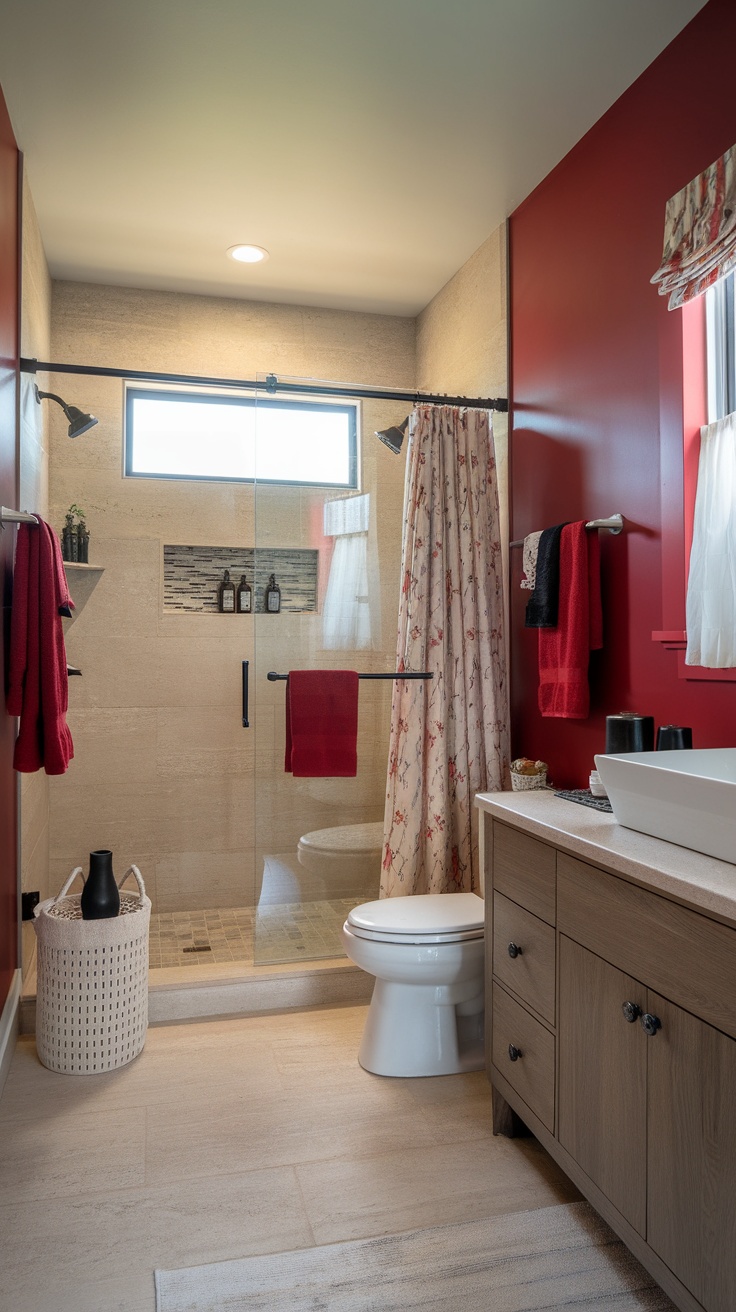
[564, 651]
[322, 724]
[38, 686]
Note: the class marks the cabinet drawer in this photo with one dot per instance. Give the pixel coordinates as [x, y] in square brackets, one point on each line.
[683, 955]
[524, 869]
[530, 974]
[533, 1073]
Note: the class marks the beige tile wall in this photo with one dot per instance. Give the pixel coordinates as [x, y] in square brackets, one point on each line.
[164, 772]
[462, 342]
[34, 475]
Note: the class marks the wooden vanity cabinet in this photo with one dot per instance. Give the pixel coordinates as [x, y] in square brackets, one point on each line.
[642, 1117]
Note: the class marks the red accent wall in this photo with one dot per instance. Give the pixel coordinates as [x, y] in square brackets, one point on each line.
[9, 295]
[596, 387]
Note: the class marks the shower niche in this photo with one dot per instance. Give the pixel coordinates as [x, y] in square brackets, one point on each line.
[192, 575]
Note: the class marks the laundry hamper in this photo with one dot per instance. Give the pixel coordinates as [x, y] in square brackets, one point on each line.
[92, 993]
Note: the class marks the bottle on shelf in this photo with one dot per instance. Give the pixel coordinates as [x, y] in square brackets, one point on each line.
[272, 596]
[226, 595]
[245, 597]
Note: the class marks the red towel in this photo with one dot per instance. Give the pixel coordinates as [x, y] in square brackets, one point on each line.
[564, 651]
[38, 686]
[322, 724]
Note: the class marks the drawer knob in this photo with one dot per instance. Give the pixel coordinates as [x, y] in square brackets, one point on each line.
[631, 1011]
[651, 1024]
[514, 1052]
[514, 950]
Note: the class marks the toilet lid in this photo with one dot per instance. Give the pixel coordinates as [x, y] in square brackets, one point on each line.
[346, 839]
[424, 918]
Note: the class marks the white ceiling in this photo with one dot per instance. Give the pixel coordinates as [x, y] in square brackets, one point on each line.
[370, 145]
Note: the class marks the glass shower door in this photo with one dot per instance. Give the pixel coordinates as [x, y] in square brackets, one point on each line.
[328, 519]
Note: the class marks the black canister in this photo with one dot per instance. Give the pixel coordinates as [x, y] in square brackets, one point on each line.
[100, 897]
[628, 732]
[674, 737]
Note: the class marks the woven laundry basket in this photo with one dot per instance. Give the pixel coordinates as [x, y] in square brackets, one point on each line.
[92, 994]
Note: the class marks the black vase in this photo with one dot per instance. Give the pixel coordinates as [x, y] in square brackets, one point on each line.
[100, 897]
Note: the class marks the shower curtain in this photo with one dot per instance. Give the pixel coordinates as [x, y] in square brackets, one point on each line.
[449, 734]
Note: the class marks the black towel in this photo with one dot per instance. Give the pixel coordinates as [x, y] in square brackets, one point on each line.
[541, 608]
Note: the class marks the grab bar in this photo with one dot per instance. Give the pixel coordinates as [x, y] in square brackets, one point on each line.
[246, 724]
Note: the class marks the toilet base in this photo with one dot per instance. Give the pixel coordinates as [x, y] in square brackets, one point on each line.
[418, 1030]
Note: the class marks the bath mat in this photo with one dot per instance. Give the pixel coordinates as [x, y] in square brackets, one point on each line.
[586, 798]
[554, 1257]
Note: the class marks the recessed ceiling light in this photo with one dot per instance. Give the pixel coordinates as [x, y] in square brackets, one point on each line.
[245, 254]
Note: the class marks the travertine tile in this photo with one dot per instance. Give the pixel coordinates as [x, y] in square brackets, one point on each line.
[428, 1186]
[255, 1133]
[40, 1161]
[135, 1230]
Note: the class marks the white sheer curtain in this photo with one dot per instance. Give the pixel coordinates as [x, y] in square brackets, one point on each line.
[347, 612]
[711, 588]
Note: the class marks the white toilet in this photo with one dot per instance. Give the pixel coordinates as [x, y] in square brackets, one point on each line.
[427, 954]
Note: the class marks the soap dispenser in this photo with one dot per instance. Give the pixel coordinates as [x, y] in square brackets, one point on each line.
[245, 597]
[272, 597]
[226, 595]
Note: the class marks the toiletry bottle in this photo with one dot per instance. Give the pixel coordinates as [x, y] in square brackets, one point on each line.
[226, 595]
[245, 597]
[272, 597]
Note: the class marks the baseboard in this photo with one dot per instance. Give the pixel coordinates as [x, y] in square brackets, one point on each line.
[9, 1027]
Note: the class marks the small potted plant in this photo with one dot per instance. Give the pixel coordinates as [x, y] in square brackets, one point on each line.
[75, 536]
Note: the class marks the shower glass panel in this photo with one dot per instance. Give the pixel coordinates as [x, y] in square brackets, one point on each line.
[330, 534]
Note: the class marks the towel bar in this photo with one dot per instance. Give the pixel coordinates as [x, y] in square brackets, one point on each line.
[273, 677]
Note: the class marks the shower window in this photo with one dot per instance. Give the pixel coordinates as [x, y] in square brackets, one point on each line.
[196, 435]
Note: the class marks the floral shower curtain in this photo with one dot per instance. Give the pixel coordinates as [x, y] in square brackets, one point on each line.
[449, 734]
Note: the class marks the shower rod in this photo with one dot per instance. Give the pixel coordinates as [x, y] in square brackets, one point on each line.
[270, 385]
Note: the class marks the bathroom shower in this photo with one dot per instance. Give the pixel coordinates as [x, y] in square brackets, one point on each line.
[244, 862]
[79, 422]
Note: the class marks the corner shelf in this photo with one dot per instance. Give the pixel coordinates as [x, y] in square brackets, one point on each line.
[82, 580]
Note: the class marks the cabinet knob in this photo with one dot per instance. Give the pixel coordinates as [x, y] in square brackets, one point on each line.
[651, 1023]
[631, 1011]
[514, 950]
[514, 1053]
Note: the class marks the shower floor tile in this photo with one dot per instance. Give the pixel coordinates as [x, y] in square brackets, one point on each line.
[282, 932]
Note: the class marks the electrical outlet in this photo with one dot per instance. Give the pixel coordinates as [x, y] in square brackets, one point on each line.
[28, 902]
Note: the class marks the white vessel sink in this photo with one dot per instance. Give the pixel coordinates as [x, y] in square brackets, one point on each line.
[685, 797]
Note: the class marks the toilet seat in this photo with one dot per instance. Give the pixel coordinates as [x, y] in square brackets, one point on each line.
[422, 918]
[345, 840]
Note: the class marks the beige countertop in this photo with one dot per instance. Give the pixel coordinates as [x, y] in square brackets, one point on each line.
[696, 881]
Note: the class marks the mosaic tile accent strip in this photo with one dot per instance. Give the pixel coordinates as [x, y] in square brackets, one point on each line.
[288, 931]
[192, 575]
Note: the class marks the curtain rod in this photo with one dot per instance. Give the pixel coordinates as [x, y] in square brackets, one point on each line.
[271, 385]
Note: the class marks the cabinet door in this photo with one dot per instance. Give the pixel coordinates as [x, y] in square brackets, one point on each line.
[691, 1219]
[602, 1088]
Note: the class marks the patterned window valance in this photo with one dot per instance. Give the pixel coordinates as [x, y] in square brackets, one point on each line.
[699, 233]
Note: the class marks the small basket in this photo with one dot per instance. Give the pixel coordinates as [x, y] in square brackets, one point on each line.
[92, 995]
[521, 783]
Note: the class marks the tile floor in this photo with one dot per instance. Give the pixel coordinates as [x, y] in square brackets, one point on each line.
[298, 918]
[227, 1138]
[290, 931]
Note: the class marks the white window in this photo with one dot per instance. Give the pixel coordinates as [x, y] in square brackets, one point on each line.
[721, 349]
[175, 434]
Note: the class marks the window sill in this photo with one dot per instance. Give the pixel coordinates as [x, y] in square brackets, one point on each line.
[676, 640]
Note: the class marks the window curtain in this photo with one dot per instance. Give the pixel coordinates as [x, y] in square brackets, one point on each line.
[711, 587]
[699, 233]
[348, 618]
[449, 734]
